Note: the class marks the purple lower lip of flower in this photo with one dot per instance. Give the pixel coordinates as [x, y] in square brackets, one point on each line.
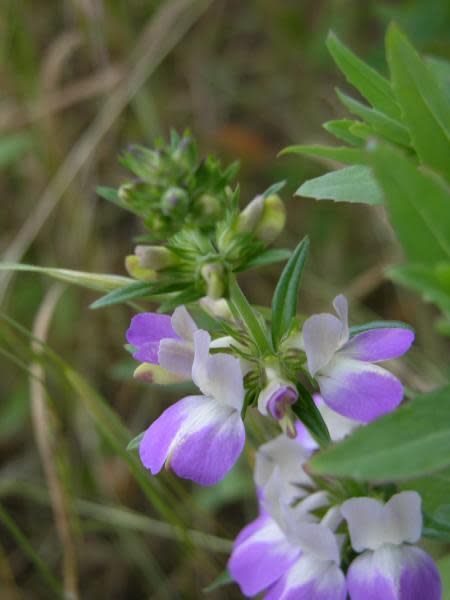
[280, 400]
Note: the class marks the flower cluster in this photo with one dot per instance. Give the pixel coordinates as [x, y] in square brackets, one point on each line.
[309, 544]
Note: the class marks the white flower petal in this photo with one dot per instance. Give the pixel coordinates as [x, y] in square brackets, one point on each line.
[183, 324]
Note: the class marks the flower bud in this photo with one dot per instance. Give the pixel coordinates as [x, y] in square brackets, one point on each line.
[272, 220]
[216, 308]
[209, 205]
[251, 215]
[276, 398]
[150, 373]
[214, 276]
[154, 257]
[174, 202]
[134, 268]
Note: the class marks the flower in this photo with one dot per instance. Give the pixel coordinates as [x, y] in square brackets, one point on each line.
[342, 365]
[201, 437]
[164, 341]
[287, 553]
[389, 566]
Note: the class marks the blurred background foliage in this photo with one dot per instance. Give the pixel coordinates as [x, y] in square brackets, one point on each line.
[80, 81]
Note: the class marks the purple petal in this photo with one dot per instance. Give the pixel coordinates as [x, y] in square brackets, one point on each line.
[159, 437]
[394, 573]
[310, 579]
[261, 554]
[205, 454]
[360, 391]
[200, 439]
[145, 332]
[379, 344]
[176, 356]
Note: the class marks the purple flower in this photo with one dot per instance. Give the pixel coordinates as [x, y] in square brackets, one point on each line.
[389, 566]
[201, 437]
[288, 555]
[349, 383]
[276, 397]
[165, 341]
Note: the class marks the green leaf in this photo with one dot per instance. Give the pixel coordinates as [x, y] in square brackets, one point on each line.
[425, 280]
[13, 146]
[341, 154]
[267, 257]
[441, 71]
[351, 184]
[425, 108]
[341, 128]
[390, 129]
[444, 569]
[223, 579]
[433, 488]
[135, 442]
[306, 410]
[274, 189]
[243, 310]
[408, 443]
[95, 281]
[418, 203]
[285, 298]
[355, 329]
[373, 86]
[138, 289]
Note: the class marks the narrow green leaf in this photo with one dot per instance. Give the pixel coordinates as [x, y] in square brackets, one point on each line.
[135, 290]
[441, 71]
[355, 329]
[341, 128]
[351, 184]
[373, 86]
[423, 279]
[425, 107]
[13, 146]
[387, 127]
[306, 410]
[285, 298]
[244, 311]
[135, 442]
[223, 579]
[341, 154]
[418, 204]
[410, 442]
[267, 257]
[96, 281]
[274, 189]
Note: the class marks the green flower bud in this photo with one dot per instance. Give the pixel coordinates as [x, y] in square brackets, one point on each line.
[174, 202]
[272, 220]
[133, 266]
[154, 257]
[251, 215]
[151, 373]
[209, 205]
[214, 276]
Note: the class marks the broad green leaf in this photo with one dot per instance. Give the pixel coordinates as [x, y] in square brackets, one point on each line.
[370, 84]
[418, 203]
[95, 281]
[243, 310]
[408, 443]
[434, 489]
[341, 128]
[441, 71]
[390, 129]
[13, 146]
[444, 569]
[341, 154]
[267, 257]
[285, 297]
[137, 289]
[425, 280]
[425, 107]
[306, 410]
[351, 184]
